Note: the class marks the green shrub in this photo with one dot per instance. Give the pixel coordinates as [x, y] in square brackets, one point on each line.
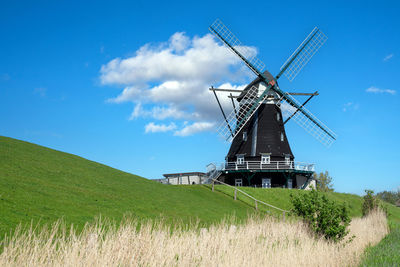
[325, 217]
[371, 202]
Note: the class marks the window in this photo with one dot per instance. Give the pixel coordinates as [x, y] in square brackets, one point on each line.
[240, 159]
[278, 116]
[290, 183]
[287, 160]
[238, 182]
[282, 137]
[265, 159]
[244, 136]
[266, 183]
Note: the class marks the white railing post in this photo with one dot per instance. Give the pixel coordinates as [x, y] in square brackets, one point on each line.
[235, 193]
[271, 165]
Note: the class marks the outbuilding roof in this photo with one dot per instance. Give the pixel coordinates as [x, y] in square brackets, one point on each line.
[183, 174]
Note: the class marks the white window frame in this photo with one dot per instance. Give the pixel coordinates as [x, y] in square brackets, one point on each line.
[245, 136]
[282, 137]
[278, 116]
[265, 159]
[240, 159]
[267, 184]
[287, 160]
[238, 182]
[290, 183]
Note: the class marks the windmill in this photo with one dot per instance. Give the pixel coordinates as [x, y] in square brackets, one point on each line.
[260, 153]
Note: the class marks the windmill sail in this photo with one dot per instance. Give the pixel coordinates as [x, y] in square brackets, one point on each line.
[233, 43]
[303, 54]
[293, 65]
[302, 118]
[237, 119]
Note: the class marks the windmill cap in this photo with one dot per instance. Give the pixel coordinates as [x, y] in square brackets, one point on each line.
[255, 82]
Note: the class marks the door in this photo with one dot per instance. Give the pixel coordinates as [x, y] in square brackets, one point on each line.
[266, 183]
[290, 183]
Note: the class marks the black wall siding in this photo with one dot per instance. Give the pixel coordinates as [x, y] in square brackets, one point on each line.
[268, 141]
[268, 136]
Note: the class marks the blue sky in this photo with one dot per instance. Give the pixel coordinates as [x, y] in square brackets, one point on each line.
[125, 83]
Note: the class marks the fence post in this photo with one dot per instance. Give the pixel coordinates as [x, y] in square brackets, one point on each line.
[213, 186]
[235, 192]
[255, 201]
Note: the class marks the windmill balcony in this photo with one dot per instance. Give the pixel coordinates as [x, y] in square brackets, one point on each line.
[272, 165]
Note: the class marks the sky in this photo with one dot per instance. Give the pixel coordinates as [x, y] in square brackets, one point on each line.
[125, 83]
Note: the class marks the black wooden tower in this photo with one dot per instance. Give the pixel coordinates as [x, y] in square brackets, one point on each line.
[260, 154]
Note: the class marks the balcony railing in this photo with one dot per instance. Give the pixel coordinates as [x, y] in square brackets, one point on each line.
[272, 165]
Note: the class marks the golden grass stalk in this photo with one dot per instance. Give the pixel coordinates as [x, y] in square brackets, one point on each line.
[259, 242]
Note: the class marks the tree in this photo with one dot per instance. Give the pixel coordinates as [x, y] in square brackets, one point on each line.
[371, 203]
[389, 196]
[324, 182]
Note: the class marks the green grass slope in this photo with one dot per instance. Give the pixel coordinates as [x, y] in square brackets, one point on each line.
[386, 253]
[280, 197]
[42, 185]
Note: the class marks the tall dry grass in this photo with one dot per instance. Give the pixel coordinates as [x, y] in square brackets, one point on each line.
[259, 242]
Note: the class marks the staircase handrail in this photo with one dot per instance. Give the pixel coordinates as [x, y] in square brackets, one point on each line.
[262, 202]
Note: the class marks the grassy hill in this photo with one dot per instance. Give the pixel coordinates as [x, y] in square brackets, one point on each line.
[280, 197]
[43, 185]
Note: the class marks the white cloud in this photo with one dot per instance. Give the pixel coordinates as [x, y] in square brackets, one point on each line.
[350, 106]
[388, 57]
[194, 128]
[179, 42]
[156, 128]
[377, 90]
[287, 110]
[180, 59]
[160, 113]
[171, 80]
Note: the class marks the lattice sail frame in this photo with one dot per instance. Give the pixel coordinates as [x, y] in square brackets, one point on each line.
[237, 120]
[306, 123]
[311, 45]
[222, 31]
[290, 68]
